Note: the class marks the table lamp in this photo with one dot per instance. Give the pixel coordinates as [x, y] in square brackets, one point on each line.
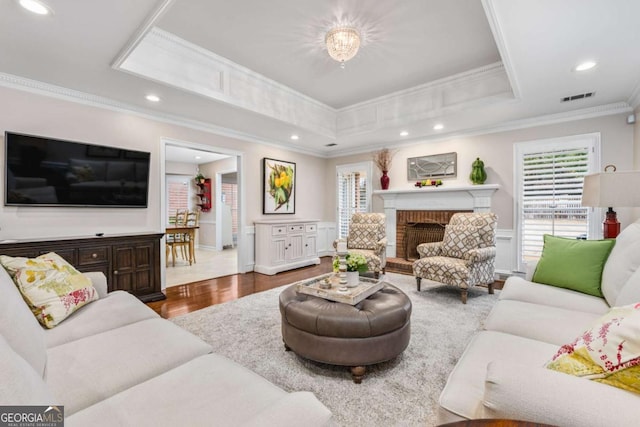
[608, 189]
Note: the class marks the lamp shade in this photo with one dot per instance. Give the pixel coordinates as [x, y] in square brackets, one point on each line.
[612, 189]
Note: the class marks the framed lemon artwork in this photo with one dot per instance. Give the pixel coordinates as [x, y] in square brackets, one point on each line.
[279, 185]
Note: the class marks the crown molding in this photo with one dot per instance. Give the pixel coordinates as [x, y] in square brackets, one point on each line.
[498, 36]
[545, 120]
[166, 58]
[146, 26]
[53, 91]
[634, 99]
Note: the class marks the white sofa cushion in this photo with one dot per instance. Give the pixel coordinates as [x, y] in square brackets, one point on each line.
[630, 292]
[209, 390]
[544, 323]
[117, 309]
[518, 289]
[623, 262]
[85, 371]
[19, 327]
[20, 384]
[464, 391]
[532, 393]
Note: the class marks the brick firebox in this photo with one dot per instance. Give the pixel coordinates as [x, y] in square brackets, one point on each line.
[416, 218]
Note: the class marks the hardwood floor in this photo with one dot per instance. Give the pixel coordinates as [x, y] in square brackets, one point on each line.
[184, 299]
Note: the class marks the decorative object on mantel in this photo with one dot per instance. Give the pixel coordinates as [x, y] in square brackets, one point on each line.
[428, 183]
[382, 159]
[342, 43]
[478, 174]
[433, 166]
[278, 183]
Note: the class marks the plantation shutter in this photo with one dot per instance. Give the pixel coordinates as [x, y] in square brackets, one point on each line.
[550, 193]
[353, 196]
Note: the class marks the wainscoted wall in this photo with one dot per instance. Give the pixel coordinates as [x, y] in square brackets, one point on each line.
[326, 235]
[247, 257]
[505, 253]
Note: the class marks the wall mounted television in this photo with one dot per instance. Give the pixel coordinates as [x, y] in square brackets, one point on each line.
[41, 171]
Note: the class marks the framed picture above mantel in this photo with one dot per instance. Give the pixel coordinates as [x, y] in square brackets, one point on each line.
[433, 166]
[278, 186]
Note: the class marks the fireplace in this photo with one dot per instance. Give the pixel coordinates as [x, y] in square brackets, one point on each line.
[418, 226]
[437, 203]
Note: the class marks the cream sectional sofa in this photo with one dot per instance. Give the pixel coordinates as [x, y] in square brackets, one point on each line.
[115, 362]
[501, 373]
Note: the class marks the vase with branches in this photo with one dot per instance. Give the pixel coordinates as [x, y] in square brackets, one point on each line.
[382, 159]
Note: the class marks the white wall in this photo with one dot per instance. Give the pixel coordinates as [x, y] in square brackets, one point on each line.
[496, 150]
[30, 113]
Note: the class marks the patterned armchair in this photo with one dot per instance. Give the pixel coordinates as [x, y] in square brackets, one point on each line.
[465, 257]
[367, 236]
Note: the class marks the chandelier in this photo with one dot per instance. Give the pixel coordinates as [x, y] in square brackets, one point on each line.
[343, 43]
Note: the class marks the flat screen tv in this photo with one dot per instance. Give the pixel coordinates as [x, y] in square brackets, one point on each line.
[42, 171]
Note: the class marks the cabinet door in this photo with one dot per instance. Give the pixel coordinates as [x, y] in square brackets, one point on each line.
[310, 246]
[278, 250]
[133, 268]
[295, 247]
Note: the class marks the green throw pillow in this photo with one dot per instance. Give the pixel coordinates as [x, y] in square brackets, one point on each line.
[573, 264]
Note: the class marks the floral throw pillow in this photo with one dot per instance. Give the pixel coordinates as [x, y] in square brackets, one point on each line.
[52, 288]
[609, 352]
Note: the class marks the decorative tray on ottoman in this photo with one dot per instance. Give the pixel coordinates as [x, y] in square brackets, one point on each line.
[365, 288]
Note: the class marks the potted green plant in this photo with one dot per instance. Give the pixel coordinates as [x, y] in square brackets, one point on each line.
[199, 178]
[356, 264]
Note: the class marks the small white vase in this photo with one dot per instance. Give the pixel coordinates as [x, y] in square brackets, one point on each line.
[353, 279]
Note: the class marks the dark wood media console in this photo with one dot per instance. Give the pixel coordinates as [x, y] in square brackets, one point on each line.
[131, 262]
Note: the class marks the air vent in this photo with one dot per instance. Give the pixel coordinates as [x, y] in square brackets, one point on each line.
[333, 144]
[577, 97]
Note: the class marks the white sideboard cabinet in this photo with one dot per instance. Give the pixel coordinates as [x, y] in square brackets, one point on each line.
[285, 245]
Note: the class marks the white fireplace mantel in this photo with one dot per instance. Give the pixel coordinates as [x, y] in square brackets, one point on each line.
[471, 197]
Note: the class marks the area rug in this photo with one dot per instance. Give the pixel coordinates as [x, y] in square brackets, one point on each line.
[401, 392]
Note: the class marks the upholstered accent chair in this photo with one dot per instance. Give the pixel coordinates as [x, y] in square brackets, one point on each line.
[465, 257]
[367, 236]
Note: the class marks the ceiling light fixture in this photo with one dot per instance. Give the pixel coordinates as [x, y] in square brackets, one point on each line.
[439, 126]
[153, 98]
[584, 66]
[35, 6]
[342, 43]
[295, 137]
[404, 133]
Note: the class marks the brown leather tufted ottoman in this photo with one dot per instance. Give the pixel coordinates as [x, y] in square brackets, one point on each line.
[373, 331]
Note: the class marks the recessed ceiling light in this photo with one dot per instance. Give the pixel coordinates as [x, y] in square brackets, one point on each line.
[584, 66]
[35, 6]
[439, 126]
[198, 157]
[404, 133]
[153, 98]
[295, 137]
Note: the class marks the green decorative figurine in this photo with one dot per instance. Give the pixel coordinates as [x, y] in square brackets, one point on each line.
[478, 175]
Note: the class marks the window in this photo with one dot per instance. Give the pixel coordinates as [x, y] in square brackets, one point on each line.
[549, 179]
[178, 194]
[354, 193]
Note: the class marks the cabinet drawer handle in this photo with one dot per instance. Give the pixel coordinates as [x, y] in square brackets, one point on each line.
[115, 271]
[94, 255]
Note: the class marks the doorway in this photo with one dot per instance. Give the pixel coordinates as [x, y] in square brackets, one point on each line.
[181, 161]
